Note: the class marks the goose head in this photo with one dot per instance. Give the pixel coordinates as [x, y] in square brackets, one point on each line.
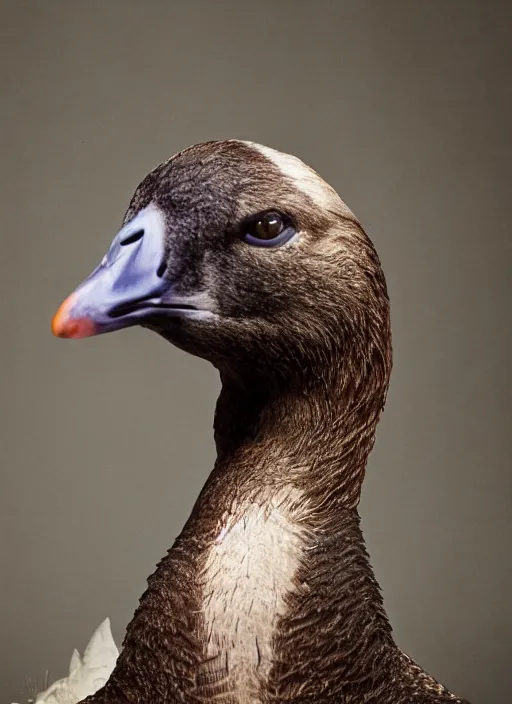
[242, 255]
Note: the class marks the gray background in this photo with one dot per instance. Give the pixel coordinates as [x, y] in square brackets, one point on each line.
[405, 108]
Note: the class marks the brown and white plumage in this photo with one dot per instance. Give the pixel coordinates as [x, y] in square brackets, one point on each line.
[267, 595]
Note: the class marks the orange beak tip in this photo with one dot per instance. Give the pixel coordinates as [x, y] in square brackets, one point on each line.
[75, 328]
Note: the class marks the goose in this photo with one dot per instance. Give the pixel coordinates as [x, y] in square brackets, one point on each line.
[244, 256]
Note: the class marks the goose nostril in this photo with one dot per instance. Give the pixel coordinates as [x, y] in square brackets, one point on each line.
[134, 237]
[161, 270]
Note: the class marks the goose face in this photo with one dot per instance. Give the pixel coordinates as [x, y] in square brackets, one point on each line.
[232, 250]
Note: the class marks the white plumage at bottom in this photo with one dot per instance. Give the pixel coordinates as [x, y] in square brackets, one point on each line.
[86, 674]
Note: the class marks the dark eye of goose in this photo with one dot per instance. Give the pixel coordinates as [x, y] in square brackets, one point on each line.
[269, 229]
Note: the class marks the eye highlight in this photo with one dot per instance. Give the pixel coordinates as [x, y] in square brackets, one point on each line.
[269, 229]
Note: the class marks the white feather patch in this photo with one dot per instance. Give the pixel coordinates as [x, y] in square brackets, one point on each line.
[249, 572]
[303, 177]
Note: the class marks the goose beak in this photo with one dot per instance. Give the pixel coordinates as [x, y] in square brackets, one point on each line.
[126, 288]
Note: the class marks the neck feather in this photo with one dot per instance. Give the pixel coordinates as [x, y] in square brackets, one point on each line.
[315, 434]
[268, 595]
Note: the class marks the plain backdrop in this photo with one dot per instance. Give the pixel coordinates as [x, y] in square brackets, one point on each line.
[405, 108]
